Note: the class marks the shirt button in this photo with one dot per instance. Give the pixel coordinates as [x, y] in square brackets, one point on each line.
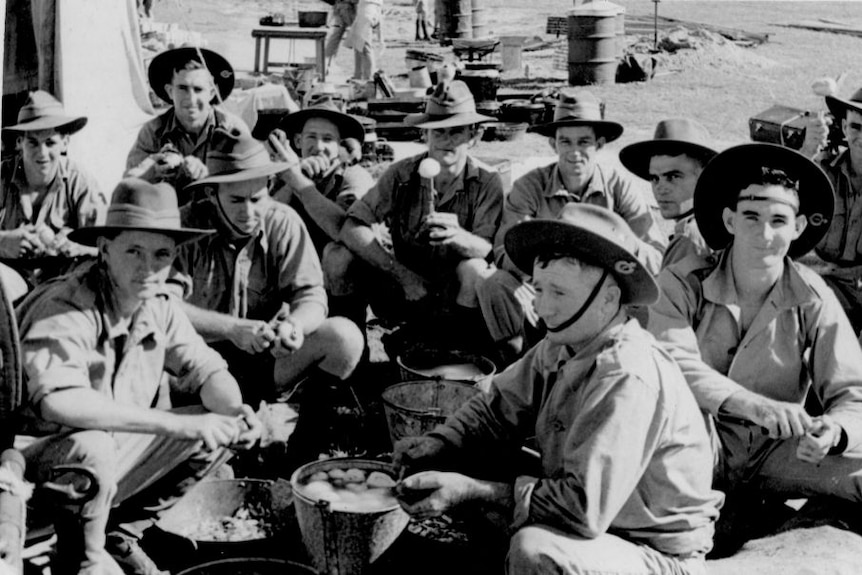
[558, 425]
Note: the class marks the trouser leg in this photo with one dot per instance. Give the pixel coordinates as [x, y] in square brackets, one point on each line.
[540, 550]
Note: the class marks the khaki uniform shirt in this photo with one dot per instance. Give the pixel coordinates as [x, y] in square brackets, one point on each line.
[343, 186]
[800, 338]
[70, 337]
[624, 448]
[540, 194]
[401, 200]
[166, 129]
[73, 199]
[273, 271]
[685, 241]
[842, 244]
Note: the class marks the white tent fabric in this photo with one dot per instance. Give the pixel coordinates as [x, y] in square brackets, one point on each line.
[100, 75]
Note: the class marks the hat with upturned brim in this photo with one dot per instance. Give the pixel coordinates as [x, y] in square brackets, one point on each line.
[580, 108]
[732, 170]
[138, 205]
[839, 106]
[235, 156]
[42, 111]
[673, 137]
[450, 105]
[326, 108]
[592, 234]
[161, 70]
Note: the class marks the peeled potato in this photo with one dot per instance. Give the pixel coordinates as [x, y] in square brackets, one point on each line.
[379, 479]
[354, 475]
[319, 476]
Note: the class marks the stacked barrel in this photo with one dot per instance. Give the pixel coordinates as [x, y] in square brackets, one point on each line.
[461, 19]
[596, 42]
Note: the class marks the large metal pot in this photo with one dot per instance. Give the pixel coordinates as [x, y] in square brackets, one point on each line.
[218, 499]
[249, 566]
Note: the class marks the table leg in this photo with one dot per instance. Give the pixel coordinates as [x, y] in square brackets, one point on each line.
[256, 55]
[321, 58]
[266, 55]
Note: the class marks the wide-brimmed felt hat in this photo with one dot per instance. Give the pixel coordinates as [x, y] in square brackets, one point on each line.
[839, 106]
[672, 137]
[593, 234]
[235, 156]
[450, 105]
[325, 107]
[733, 169]
[161, 70]
[42, 111]
[138, 205]
[580, 108]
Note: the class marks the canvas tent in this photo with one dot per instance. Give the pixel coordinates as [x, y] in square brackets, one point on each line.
[87, 53]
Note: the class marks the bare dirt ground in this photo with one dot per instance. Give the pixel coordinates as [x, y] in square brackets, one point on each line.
[722, 88]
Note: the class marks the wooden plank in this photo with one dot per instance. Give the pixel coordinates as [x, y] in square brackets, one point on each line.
[824, 26]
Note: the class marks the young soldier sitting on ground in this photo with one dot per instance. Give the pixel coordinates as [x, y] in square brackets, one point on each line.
[416, 244]
[577, 133]
[672, 162]
[45, 196]
[172, 147]
[756, 334]
[625, 479]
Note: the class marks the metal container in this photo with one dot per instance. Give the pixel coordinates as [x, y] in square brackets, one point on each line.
[593, 44]
[344, 542]
[415, 407]
[217, 499]
[249, 566]
[523, 111]
[424, 363]
[314, 19]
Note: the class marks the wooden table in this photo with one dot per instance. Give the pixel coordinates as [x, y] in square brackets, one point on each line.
[318, 35]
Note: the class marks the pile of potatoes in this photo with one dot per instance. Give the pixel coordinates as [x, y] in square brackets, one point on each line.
[352, 490]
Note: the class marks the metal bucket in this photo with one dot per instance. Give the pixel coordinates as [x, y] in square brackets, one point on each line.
[249, 566]
[344, 542]
[593, 44]
[421, 363]
[415, 407]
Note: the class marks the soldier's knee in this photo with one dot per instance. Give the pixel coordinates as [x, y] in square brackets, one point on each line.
[337, 263]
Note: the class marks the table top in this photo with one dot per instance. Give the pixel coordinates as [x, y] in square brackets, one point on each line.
[289, 32]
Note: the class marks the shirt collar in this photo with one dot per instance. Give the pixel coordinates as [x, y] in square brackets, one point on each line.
[789, 291]
[214, 120]
[556, 187]
[470, 172]
[140, 325]
[19, 176]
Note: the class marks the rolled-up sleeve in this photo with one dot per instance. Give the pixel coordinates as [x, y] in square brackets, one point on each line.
[300, 277]
[145, 145]
[670, 321]
[489, 207]
[836, 365]
[187, 356]
[375, 206]
[55, 350]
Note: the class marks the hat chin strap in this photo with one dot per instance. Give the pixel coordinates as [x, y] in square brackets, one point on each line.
[571, 321]
[235, 231]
